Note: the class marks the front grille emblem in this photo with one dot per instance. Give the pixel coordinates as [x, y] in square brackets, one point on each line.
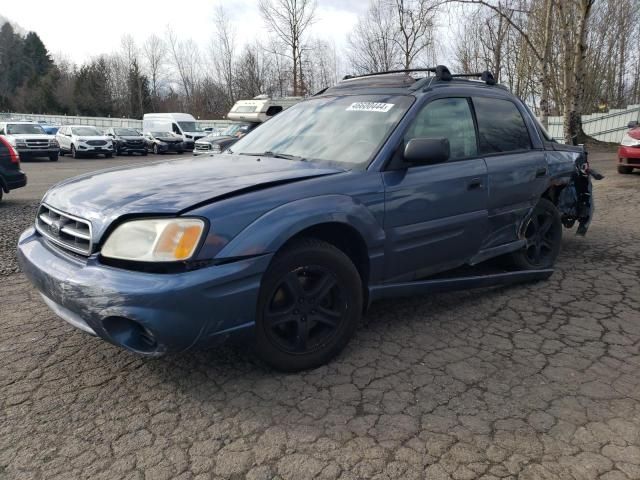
[55, 228]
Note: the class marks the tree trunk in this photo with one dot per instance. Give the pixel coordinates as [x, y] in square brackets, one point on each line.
[546, 57]
[295, 69]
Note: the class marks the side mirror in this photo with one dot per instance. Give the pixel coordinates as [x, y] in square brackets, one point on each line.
[633, 124]
[426, 151]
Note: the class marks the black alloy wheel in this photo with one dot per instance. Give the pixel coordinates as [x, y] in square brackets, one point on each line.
[309, 306]
[543, 236]
[306, 310]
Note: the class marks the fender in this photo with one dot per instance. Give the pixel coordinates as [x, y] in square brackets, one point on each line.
[270, 231]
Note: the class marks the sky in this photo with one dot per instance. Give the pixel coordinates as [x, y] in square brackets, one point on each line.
[81, 29]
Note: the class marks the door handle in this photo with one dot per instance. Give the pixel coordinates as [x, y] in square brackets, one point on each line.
[541, 172]
[474, 183]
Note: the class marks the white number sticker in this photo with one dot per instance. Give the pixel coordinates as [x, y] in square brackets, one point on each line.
[370, 107]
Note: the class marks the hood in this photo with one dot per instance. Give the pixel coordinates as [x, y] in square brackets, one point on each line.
[93, 137]
[131, 137]
[30, 136]
[169, 187]
[634, 133]
[214, 140]
[169, 139]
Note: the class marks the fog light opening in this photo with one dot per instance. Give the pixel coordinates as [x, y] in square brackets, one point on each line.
[130, 334]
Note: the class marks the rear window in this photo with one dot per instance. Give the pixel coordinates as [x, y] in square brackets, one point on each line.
[501, 127]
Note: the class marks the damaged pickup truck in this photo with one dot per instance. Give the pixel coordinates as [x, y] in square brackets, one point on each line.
[371, 188]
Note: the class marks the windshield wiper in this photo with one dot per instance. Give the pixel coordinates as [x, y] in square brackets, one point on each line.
[275, 155]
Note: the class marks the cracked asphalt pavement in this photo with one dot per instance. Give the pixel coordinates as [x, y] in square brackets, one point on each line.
[537, 381]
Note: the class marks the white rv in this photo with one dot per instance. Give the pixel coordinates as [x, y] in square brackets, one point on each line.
[261, 108]
[179, 123]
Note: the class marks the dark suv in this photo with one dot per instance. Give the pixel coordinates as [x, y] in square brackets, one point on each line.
[11, 177]
[127, 140]
[369, 189]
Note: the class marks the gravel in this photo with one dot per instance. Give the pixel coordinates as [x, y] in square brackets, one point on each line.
[15, 217]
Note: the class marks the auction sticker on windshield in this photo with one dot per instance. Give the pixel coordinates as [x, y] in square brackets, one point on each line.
[370, 107]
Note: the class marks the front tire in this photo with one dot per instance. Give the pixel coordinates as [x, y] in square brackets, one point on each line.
[624, 170]
[543, 233]
[74, 152]
[309, 306]
[53, 157]
[108, 155]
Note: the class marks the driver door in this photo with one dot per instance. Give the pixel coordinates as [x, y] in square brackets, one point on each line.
[436, 215]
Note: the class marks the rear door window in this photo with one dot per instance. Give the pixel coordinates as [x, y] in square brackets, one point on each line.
[501, 127]
[448, 118]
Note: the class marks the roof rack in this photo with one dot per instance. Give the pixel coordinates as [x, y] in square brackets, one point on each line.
[485, 76]
[441, 71]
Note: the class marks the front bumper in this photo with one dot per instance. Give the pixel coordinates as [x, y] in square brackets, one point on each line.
[86, 148]
[180, 311]
[170, 147]
[629, 156]
[135, 148]
[25, 153]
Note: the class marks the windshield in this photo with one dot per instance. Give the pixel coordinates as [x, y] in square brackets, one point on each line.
[346, 130]
[190, 127]
[126, 131]
[24, 128]
[85, 131]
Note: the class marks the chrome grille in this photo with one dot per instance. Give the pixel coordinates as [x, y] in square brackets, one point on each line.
[96, 143]
[37, 143]
[203, 147]
[69, 232]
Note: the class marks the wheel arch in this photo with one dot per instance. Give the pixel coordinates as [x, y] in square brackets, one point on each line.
[337, 219]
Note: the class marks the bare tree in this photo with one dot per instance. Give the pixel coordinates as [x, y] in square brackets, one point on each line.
[154, 51]
[289, 20]
[223, 50]
[185, 58]
[373, 44]
[415, 25]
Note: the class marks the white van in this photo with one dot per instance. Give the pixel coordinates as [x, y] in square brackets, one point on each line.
[179, 123]
[261, 108]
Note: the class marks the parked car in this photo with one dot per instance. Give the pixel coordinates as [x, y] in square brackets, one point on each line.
[11, 177]
[82, 140]
[216, 143]
[181, 124]
[364, 191]
[163, 142]
[30, 140]
[629, 149]
[50, 129]
[127, 140]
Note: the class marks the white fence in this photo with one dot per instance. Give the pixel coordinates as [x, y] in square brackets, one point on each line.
[606, 127]
[101, 122]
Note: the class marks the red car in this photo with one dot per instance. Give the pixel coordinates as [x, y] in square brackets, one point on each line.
[629, 149]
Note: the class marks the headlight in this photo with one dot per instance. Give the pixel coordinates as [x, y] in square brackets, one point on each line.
[20, 143]
[216, 149]
[157, 240]
[629, 141]
[53, 142]
[80, 139]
